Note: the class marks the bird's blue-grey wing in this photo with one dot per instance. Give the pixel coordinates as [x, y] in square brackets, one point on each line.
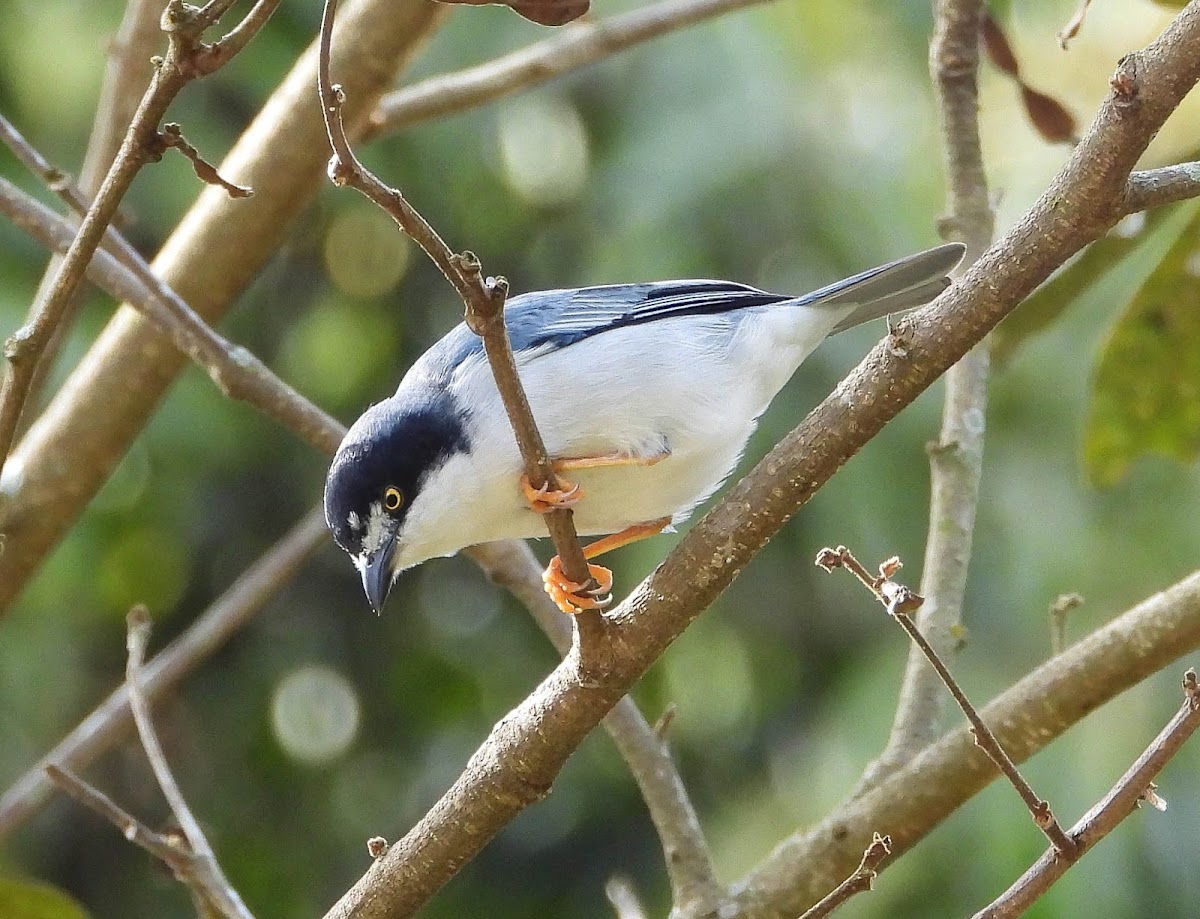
[554, 319]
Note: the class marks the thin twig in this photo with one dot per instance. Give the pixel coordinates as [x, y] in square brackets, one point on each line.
[1135, 786]
[484, 302]
[230, 612]
[126, 74]
[956, 460]
[861, 880]
[1156, 187]
[901, 603]
[25, 347]
[213, 883]
[572, 47]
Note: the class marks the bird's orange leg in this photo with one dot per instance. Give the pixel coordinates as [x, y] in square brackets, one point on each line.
[572, 597]
[545, 499]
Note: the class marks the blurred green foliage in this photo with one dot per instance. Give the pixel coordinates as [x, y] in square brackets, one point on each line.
[783, 146]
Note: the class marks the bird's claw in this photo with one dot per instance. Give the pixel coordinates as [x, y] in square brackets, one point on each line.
[572, 597]
[546, 499]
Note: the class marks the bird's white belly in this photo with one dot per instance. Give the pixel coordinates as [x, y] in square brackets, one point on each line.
[699, 398]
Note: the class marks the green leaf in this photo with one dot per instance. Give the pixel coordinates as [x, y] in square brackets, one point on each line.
[34, 900]
[1146, 393]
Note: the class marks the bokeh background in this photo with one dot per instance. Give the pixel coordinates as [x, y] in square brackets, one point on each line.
[784, 146]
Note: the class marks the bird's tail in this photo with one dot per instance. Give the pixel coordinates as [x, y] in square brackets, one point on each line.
[892, 288]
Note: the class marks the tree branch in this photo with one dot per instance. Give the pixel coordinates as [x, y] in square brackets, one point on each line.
[1156, 187]
[861, 880]
[689, 865]
[956, 460]
[1134, 787]
[24, 349]
[120, 270]
[525, 750]
[572, 47]
[218, 247]
[126, 75]
[901, 603]
[484, 302]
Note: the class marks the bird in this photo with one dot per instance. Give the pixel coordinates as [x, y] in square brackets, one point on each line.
[645, 395]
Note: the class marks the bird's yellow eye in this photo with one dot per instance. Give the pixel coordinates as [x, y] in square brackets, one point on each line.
[392, 499]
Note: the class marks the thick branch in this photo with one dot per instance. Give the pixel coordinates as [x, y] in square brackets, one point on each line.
[525, 751]
[572, 47]
[685, 851]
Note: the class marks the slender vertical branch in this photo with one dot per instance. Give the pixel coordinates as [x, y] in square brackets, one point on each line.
[956, 459]
[484, 302]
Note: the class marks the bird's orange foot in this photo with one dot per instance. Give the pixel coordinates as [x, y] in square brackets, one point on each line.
[574, 598]
[546, 499]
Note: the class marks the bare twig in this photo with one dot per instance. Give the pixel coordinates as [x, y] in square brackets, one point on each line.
[171, 135]
[861, 880]
[901, 603]
[1136, 785]
[956, 460]
[211, 900]
[212, 884]
[484, 302]
[1074, 24]
[24, 349]
[1028, 716]
[572, 47]
[1156, 187]
[112, 719]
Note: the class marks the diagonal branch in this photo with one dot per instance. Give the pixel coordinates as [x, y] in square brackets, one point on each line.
[572, 47]
[1134, 787]
[212, 255]
[524, 752]
[24, 349]
[111, 720]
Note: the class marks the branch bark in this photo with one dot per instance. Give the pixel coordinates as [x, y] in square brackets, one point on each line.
[524, 752]
[219, 246]
[572, 47]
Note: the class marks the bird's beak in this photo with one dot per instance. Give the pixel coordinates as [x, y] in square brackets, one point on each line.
[377, 573]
